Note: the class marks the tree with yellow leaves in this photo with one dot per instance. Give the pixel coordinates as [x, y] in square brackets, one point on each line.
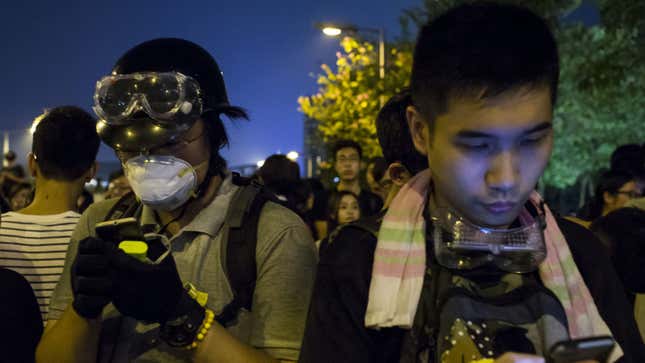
[349, 99]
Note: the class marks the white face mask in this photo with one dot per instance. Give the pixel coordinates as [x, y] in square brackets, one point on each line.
[162, 182]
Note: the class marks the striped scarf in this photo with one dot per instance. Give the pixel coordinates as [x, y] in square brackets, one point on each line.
[400, 263]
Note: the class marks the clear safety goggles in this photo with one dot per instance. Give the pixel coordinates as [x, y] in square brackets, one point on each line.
[461, 245]
[166, 97]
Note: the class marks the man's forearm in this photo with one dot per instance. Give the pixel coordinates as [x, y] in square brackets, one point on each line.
[71, 339]
[220, 346]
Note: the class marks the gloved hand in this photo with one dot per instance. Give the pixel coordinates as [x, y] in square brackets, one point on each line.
[91, 277]
[149, 292]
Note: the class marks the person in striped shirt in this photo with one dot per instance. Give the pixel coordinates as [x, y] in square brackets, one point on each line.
[34, 240]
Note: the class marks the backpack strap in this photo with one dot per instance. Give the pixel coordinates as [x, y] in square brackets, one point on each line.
[240, 265]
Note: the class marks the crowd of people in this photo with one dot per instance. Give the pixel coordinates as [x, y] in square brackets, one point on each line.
[441, 251]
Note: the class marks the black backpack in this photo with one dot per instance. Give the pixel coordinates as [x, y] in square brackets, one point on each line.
[242, 220]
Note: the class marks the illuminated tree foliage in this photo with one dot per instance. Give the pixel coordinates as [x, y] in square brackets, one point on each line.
[349, 98]
[601, 102]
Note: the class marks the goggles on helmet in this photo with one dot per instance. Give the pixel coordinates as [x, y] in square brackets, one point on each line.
[168, 97]
[461, 245]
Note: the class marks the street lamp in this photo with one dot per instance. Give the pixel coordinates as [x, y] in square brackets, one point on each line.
[334, 30]
[292, 155]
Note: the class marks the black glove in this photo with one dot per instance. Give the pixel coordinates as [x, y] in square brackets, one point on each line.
[91, 277]
[149, 292]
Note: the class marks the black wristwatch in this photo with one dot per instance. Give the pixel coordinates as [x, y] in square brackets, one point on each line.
[182, 331]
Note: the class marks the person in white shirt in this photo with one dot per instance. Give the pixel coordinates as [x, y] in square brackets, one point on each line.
[34, 240]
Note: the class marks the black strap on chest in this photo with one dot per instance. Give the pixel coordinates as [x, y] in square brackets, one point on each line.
[240, 265]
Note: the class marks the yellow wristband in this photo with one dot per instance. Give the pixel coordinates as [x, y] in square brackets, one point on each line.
[203, 330]
[485, 360]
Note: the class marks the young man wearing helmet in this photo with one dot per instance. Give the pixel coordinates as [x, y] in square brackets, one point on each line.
[159, 110]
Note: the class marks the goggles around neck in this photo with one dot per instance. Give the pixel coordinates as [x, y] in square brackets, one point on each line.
[167, 97]
[461, 245]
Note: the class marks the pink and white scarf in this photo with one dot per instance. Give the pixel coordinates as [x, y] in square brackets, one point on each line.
[400, 263]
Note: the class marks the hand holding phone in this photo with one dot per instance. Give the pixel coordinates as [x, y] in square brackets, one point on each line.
[596, 349]
[118, 230]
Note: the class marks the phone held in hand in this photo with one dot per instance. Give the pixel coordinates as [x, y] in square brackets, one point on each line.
[576, 350]
[127, 235]
[118, 230]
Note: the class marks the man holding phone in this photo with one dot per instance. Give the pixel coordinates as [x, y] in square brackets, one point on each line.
[160, 110]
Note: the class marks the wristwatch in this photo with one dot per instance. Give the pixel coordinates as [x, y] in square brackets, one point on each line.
[182, 331]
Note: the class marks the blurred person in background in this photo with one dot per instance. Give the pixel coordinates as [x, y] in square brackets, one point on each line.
[315, 205]
[11, 173]
[623, 233]
[281, 176]
[376, 177]
[402, 159]
[61, 161]
[630, 158]
[84, 201]
[20, 195]
[343, 208]
[278, 168]
[118, 185]
[613, 191]
[347, 155]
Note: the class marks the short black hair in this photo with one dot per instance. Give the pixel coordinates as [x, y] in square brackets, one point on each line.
[341, 144]
[394, 134]
[65, 143]
[279, 168]
[379, 167]
[481, 49]
[629, 158]
[10, 155]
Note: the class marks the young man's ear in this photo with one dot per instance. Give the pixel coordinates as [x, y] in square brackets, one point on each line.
[418, 129]
[32, 165]
[399, 174]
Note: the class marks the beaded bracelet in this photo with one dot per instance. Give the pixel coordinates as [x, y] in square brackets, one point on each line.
[206, 325]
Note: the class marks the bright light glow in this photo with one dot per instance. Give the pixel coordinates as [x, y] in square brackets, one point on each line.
[36, 121]
[336, 179]
[292, 155]
[332, 31]
[260, 163]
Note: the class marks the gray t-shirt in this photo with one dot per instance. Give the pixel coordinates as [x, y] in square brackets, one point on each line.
[286, 263]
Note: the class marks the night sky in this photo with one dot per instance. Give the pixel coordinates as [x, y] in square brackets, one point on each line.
[54, 51]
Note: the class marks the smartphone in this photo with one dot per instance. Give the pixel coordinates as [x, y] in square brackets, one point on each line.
[118, 230]
[596, 348]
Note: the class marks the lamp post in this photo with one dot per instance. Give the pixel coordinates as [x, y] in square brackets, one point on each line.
[334, 30]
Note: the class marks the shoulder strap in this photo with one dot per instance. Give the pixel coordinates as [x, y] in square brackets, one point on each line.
[126, 206]
[240, 265]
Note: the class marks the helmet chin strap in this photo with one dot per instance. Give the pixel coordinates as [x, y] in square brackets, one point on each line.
[203, 186]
